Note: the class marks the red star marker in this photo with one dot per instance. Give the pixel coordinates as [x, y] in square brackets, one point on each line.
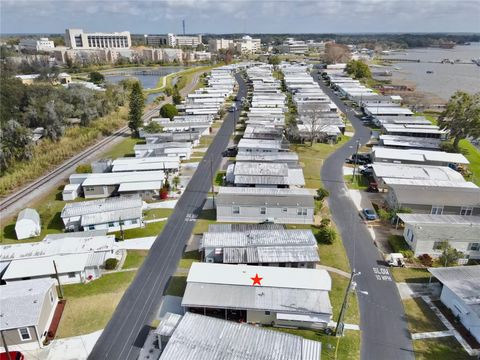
[256, 280]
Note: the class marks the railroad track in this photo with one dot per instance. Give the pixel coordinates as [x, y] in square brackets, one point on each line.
[9, 200]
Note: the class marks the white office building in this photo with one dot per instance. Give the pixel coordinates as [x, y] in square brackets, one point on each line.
[77, 39]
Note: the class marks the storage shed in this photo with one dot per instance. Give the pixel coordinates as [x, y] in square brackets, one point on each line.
[28, 224]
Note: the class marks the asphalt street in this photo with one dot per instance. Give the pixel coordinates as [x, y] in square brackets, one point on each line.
[125, 333]
[383, 323]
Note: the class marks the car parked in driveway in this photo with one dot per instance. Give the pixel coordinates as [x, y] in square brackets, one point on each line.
[366, 169]
[369, 214]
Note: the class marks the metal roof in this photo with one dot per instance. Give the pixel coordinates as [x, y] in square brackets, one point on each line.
[463, 281]
[43, 266]
[168, 324]
[243, 227]
[111, 216]
[418, 155]
[273, 277]
[199, 337]
[255, 237]
[259, 168]
[21, 302]
[258, 196]
[410, 141]
[122, 177]
[29, 214]
[56, 245]
[450, 220]
[260, 144]
[140, 186]
[418, 172]
[101, 205]
[282, 157]
[270, 254]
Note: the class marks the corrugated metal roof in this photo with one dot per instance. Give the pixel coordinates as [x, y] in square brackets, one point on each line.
[410, 141]
[258, 196]
[463, 281]
[271, 254]
[101, 205]
[168, 324]
[243, 227]
[122, 177]
[260, 168]
[199, 337]
[450, 220]
[22, 302]
[420, 172]
[111, 216]
[275, 157]
[249, 238]
[139, 186]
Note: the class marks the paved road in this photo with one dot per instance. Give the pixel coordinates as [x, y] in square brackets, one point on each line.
[385, 333]
[125, 333]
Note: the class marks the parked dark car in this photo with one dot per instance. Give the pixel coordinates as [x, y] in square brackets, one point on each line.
[230, 152]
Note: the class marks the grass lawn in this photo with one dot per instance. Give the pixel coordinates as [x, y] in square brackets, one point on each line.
[444, 348]
[205, 218]
[176, 286]
[344, 348]
[473, 155]
[312, 157]
[188, 258]
[90, 306]
[152, 229]
[219, 178]
[420, 317]
[157, 213]
[410, 275]
[206, 140]
[122, 149]
[398, 243]
[361, 182]
[134, 259]
[49, 207]
[337, 294]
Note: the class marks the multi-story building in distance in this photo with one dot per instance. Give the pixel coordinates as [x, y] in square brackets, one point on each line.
[42, 44]
[77, 39]
[172, 40]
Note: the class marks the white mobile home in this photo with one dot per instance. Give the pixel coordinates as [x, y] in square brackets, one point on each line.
[283, 206]
[424, 233]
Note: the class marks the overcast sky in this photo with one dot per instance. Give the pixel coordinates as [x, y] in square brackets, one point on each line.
[241, 16]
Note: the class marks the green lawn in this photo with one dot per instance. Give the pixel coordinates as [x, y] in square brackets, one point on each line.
[444, 348]
[152, 229]
[410, 275]
[122, 149]
[205, 218]
[341, 348]
[176, 286]
[398, 243]
[157, 214]
[188, 259]
[49, 207]
[337, 294]
[361, 182]
[90, 306]
[134, 259]
[312, 157]
[219, 178]
[473, 155]
[420, 317]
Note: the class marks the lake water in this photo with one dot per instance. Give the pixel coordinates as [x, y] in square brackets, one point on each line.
[446, 78]
[147, 81]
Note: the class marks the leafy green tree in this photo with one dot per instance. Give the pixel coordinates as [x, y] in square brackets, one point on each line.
[358, 69]
[450, 255]
[274, 60]
[326, 235]
[168, 111]
[83, 169]
[322, 193]
[461, 117]
[137, 103]
[153, 127]
[96, 77]
[176, 182]
[15, 145]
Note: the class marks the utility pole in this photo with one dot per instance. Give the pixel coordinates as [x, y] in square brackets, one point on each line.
[343, 310]
[211, 176]
[355, 161]
[5, 346]
[58, 279]
[122, 233]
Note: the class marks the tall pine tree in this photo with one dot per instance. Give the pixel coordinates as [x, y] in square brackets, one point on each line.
[137, 103]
